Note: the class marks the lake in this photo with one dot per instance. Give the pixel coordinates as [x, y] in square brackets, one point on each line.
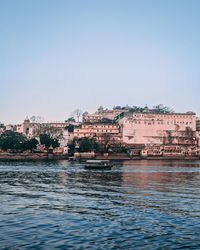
[135, 205]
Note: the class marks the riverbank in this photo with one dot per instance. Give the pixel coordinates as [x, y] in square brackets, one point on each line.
[126, 157]
[83, 157]
[31, 156]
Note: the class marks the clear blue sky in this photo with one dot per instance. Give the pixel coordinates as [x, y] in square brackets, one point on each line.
[59, 55]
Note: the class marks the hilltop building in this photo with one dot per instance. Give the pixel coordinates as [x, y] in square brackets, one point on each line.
[150, 128]
[102, 114]
[126, 128]
[55, 129]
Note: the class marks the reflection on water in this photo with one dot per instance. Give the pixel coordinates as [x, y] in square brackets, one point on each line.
[136, 205]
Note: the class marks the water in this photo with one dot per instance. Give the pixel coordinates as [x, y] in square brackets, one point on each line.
[136, 205]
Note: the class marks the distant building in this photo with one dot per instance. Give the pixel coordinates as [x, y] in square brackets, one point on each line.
[150, 128]
[30, 130]
[102, 114]
[100, 131]
[169, 151]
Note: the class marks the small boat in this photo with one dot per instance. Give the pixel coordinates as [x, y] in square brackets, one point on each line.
[98, 164]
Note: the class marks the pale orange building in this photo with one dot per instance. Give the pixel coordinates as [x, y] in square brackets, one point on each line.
[151, 128]
[100, 131]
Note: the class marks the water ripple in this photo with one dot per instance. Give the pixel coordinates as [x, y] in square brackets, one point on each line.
[136, 205]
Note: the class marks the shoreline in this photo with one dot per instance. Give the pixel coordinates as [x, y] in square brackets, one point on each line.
[31, 157]
[114, 157]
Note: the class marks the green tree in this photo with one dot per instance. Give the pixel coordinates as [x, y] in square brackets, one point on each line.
[71, 147]
[161, 109]
[1, 125]
[47, 140]
[70, 119]
[87, 145]
[11, 140]
[30, 144]
[55, 143]
[70, 128]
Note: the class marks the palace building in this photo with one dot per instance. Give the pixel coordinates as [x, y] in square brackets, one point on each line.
[151, 128]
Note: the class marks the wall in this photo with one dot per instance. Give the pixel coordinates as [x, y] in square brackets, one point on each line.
[144, 128]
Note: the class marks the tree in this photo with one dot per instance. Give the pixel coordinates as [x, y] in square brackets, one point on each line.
[55, 143]
[16, 141]
[160, 108]
[30, 144]
[70, 128]
[100, 109]
[11, 140]
[71, 147]
[77, 113]
[105, 144]
[70, 119]
[189, 134]
[47, 140]
[87, 145]
[1, 125]
[37, 119]
[117, 107]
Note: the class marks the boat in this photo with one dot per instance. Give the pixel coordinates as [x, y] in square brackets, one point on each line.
[98, 164]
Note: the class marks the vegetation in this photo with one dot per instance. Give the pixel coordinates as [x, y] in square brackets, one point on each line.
[87, 145]
[189, 135]
[48, 141]
[37, 119]
[1, 125]
[77, 113]
[15, 141]
[71, 147]
[70, 119]
[159, 109]
[10, 140]
[70, 128]
[30, 144]
[102, 121]
[83, 145]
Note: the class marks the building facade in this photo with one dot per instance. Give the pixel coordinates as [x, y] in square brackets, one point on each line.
[100, 131]
[151, 128]
[102, 114]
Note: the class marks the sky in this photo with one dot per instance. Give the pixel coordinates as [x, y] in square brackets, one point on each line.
[60, 55]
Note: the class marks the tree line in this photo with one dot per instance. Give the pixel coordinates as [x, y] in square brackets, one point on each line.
[10, 140]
